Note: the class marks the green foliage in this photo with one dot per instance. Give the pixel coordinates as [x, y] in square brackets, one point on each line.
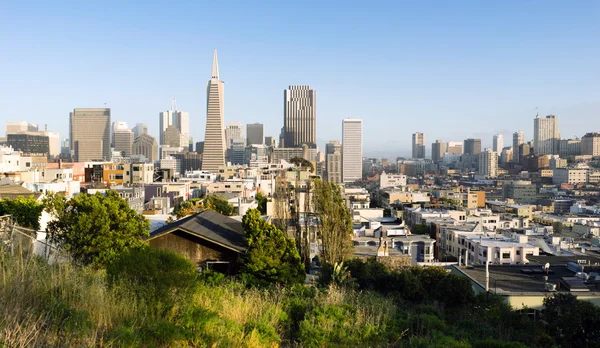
[262, 203]
[455, 291]
[301, 162]
[271, 258]
[160, 276]
[575, 323]
[211, 202]
[95, 229]
[420, 229]
[25, 210]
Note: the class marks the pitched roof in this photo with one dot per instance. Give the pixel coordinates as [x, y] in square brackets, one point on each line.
[211, 226]
[14, 191]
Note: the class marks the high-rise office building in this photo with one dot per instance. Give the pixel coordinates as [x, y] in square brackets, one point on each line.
[351, 150]
[498, 143]
[173, 137]
[122, 138]
[518, 139]
[418, 145]
[139, 129]
[438, 149]
[472, 146]
[200, 147]
[237, 152]
[147, 146]
[177, 118]
[300, 116]
[455, 147]
[333, 161]
[214, 140]
[255, 134]
[90, 134]
[545, 135]
[29, 143]
[270, 141]
[233, 130]
[488, 163]
[18, 127]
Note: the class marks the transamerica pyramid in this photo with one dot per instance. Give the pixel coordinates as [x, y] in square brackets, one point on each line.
[214, 139]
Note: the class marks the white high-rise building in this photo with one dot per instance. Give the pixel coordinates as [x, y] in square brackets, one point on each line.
[122, 138]
[518, 139]
[418, 145]
[214, 139]
[488, 163]
[545, 135]
[177, 118]
[498, 143]
[18, 127]
[233, 130]
[139, 129]
[351, 150]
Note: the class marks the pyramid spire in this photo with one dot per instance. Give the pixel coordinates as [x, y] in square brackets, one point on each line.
[215, 67]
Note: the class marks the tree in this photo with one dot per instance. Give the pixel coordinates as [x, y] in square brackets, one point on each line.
[335, 221]
[25, 210]
[211, 202]
[420, 229]
[302, 162]
[271, 257]
[454, 291]
[573, 323]
[262, 203]
[95, 229]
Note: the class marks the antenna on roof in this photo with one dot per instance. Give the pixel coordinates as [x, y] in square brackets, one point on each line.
[173, 104]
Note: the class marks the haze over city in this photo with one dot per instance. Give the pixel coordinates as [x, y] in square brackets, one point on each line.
[450, 70]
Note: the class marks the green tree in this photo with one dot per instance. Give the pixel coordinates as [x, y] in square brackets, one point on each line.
[335, 222]
[573, 323]
[211, 202]
[454, 291]
[95, 229]
[25, 210]
[271, 257]
[302, 162]
[262, 203]
[420, 229]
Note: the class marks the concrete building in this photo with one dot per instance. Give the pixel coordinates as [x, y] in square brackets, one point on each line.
[472, 146]
[506, 156]
[518, 139]
[233, 130]
[455, 147]
[392, 180]
[352, 150]
[200, 147]
[418, 145]
[147, 146]
[90, 134]
[139, 129]
[256, 156]
[236, 153]
[570, 176]
[569, 147]
[300, 116]
[29, 143]
[286, 154]
[18, 127]
[270, 141]
[498, 143]
[488, 163]
[590, 144]
[545, 135]
[176, 118]
[255, 134]
[438, 149]
[520, 191]
[333, 161]
[122, 138]
[173, 137]
[214, 140]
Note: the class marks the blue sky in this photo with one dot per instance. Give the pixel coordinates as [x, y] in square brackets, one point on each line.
[450, 69]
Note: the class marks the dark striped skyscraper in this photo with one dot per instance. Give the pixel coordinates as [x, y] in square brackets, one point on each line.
[299, 117]
[214, 140]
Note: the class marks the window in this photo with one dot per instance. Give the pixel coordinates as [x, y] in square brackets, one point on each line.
[518, 252]
[506, 255]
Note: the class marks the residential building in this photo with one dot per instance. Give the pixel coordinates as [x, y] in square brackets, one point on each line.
[255, 134]
[418, 145]
[352, 150]
[488, 163]
[300, 116]
[333, 161]
[122, 138]
[545, 135]
[498, 143]
[479, 248]
[147, 146]
[214, 141]
[569, 147]
[233, 130]
[438, 149]
[472, 146]
[518, 139]
[392, 180]
[455, 147]
[141, 173]
[590, 144]
[570, 176]
[506, 156]
[90, 134]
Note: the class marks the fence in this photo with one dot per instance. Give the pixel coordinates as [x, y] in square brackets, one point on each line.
[19, 240]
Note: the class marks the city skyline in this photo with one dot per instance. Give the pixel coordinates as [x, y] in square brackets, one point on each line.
[464, 82]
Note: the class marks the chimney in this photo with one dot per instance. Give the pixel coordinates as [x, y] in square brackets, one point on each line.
[393, 243]
[380, 250]
[386, 251]
[60, 163]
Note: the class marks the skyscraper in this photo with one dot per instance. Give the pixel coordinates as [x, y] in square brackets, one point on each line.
[147, 146]
[255, 134]
[498, 143]
[545, 135]
[90, 134]
[214, 140]
[333, 161]
[488, 163]
[234, 130]
[176, 118]
[122, 138]
[270, 141]
[418, 145]
[518, 139]
[139, 129]
[438, 149]
[472, 146]
[455, 147]
[351, 150]
[300, 116]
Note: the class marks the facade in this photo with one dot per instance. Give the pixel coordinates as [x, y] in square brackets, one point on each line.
[123, 139]
[173, 137]
[237, 151]
[418, 145]
[146, 146]
[472, 146]
[488, 163]
[570, 176]
[438, 149]
[352, 150]
[498, 143]
[214, 140]
[521, 191]
[333, 161]
[569, 147]
[255, 134]
[392, 180]
[545, 135]
[300, 116]
[90, 134]
[590, 144]
[177, 118]
[234, 130]
[139, 129]
[454, 147]
[518, 139]
[270, 141]
[18, 127]
[286, 153]
[29, 143]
